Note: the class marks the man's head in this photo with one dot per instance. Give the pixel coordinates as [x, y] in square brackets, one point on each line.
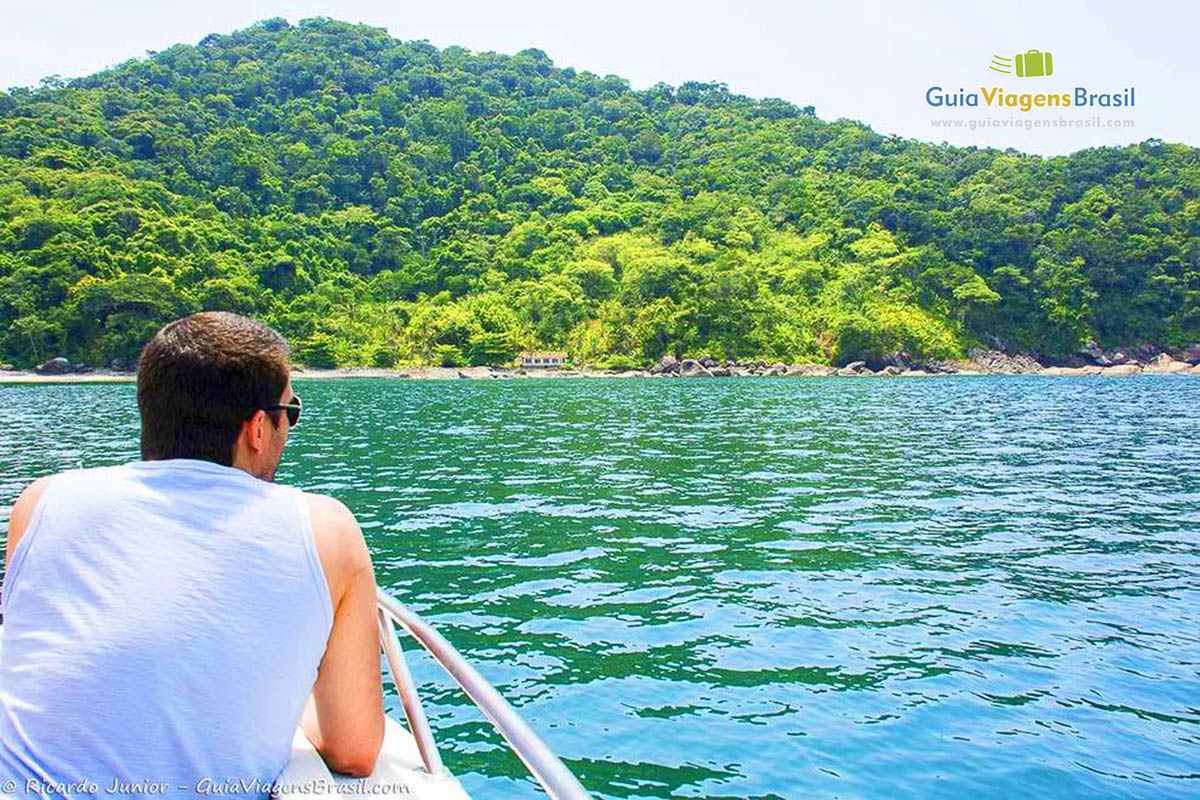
[209, 387]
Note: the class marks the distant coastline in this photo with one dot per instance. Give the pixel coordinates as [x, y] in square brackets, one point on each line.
[387, 202]
[687, 368]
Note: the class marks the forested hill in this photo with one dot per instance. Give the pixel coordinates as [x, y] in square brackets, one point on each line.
[386, 202]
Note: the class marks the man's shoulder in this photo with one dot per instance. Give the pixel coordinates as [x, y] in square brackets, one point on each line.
[23, 509]
[90, 479]
[339, 539]
[329, 513]
[39, 485]
[33, 493]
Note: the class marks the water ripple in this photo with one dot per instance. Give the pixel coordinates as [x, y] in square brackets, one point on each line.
[852, 588]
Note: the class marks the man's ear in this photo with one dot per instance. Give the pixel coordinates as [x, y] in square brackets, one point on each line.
[255, 431]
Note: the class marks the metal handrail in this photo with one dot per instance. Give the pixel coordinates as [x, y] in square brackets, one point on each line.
[549, 771]
[418, 724]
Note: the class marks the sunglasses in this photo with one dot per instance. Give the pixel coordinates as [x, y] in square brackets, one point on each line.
[292, 409]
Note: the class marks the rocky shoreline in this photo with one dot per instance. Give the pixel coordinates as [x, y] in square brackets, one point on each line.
[979, 362]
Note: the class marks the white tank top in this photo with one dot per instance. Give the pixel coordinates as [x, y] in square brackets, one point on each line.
[163, 624]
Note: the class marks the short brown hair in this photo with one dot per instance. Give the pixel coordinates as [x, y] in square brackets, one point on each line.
[200, 377]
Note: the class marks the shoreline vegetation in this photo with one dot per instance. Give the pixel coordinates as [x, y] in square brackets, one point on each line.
[981, 362]
[389, 203]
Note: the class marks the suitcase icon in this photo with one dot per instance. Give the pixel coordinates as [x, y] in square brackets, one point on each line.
[1034, 64]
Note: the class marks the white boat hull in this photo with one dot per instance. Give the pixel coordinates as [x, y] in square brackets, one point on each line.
[398, 773]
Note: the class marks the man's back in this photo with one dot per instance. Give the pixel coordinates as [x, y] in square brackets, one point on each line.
[175, 612]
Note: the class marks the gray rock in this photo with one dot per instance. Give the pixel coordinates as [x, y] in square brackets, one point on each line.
[805, 370]
[902, 359]
[7, 367]
[689, 367]
[889, 370]
[846, 372]
[722, 372]
[1189, 354]
[665, 365]
[1068, 372]
[1164, 364]
[1144, 352]
[55, 366]
[1092, 351]
[854, 366]
[709, 363]
[995, 361]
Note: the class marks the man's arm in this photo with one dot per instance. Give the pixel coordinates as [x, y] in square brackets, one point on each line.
[22, 513]
[344, 718]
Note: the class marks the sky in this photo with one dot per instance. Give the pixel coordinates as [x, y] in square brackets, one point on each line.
[864, 60]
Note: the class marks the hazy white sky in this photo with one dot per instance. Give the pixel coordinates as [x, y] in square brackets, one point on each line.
[868, 60]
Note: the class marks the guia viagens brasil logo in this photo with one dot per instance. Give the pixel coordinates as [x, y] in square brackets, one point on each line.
[1030, 64]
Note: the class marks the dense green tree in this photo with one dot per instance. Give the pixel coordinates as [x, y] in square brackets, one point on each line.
[386, 202]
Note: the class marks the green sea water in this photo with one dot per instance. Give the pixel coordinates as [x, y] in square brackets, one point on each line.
[939, 588]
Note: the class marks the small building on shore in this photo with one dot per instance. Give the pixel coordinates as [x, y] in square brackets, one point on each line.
[543, 359]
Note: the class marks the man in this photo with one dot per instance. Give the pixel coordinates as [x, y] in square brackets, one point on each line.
[166, 621]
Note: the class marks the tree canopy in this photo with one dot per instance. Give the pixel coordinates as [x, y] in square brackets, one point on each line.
[386, 202]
